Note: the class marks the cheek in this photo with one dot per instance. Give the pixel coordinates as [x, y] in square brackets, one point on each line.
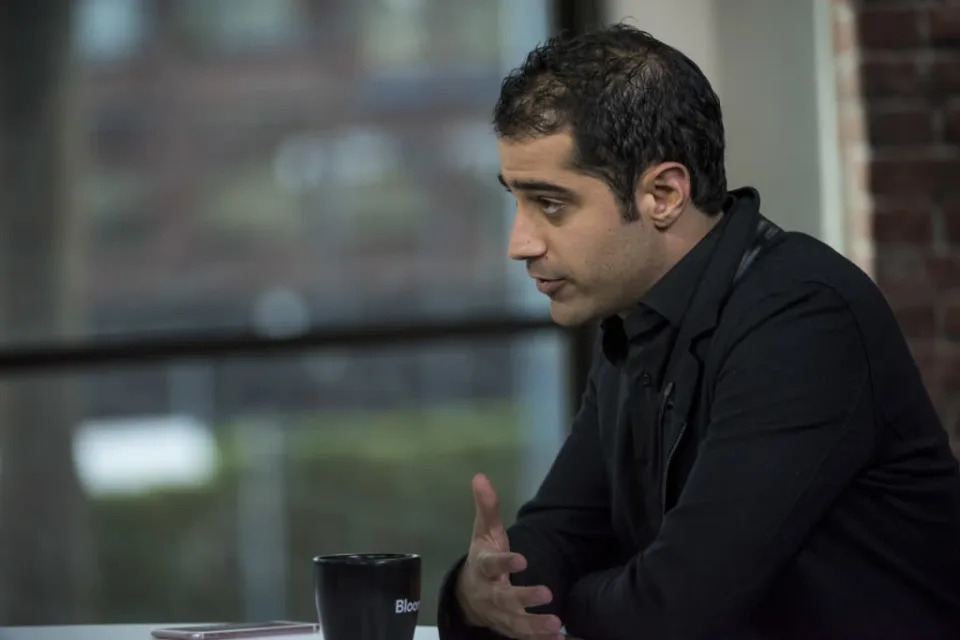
[626, 257]
[605, 255]
[598, 249]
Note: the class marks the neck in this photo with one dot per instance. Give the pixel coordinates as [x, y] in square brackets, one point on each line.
[685, 233]
[679, 239]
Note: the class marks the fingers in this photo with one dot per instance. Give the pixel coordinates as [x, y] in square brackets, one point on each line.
[496, 564]
[512, 619]
[518, 599]
[504, 605]
[530, 624]
[488, 507]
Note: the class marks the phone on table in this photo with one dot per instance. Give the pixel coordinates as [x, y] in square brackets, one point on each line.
[235, 630]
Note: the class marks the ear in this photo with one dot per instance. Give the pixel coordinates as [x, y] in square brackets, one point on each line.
[663, 193]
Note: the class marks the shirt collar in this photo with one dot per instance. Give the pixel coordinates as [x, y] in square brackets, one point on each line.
[670, 296]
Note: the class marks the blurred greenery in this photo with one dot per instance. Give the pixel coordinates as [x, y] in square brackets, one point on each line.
[396, 481]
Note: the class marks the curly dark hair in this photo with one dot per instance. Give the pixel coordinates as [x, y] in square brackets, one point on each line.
[629, 101]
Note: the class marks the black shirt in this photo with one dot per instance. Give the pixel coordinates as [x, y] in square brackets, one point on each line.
[785, 477]
[638, 346]
[653, 324]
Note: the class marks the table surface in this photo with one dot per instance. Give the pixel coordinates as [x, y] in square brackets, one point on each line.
[139, 632]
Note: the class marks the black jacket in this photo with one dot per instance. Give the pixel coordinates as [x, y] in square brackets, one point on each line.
[792, 479]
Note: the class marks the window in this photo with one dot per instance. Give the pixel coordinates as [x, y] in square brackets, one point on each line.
[277, 320]
[107, 30]
[231, 26]
[425, 34]
[371, 197]
[206, 487]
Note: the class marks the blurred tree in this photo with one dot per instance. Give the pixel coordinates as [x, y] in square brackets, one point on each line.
[47, 568]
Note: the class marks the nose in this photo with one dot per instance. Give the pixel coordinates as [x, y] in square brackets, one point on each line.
[526, 242]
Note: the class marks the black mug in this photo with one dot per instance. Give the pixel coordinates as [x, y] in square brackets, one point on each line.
[367, 596]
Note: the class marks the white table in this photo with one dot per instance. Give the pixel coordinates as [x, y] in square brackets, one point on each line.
[139, 632]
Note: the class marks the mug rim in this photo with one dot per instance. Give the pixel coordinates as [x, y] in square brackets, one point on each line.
[364, 558]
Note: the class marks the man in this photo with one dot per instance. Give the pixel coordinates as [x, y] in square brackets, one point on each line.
[755, 454]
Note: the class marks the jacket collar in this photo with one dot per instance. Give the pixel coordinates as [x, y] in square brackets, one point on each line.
[671, 295]
[692, 291]
[738, 233]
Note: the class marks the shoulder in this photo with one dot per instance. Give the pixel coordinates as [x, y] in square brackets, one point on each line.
[792, 288]
[802, 270]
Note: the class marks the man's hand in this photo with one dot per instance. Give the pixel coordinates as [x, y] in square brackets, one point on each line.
[483, 587]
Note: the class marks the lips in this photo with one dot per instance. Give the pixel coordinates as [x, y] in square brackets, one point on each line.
[549, 287]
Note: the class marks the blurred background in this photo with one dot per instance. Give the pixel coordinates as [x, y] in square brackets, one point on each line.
[255, 303]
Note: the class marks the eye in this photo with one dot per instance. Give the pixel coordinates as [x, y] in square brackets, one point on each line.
[549, 207]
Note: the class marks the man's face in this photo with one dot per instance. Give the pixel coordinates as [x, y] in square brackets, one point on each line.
[569, 230]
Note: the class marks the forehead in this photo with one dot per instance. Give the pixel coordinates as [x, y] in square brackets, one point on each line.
[550, 153]
[549, 160]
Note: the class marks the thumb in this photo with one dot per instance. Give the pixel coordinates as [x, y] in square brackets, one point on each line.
[487, 521]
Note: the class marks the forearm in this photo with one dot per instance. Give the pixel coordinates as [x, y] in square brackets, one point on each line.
[560, 549]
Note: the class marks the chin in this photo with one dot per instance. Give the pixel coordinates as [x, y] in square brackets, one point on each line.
[567, 315]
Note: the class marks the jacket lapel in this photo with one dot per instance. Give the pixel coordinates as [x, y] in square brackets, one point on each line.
[746, 231]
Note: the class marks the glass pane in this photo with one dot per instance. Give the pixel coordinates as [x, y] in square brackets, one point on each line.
[108, 30]
[234, 26]
[201, 490]
[334, 154]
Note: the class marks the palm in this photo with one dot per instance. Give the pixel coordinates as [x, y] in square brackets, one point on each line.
[493, 541]
[486, 594]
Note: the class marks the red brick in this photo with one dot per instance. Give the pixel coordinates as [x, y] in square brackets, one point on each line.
[952, 421]
[905, 292]
[951, 413]
[926, 355]
[944, 406]
[900, 127]
[903, 275]
[909, 178]
[891, 78]
[843, 37]
[917, 320]
[889, 29]
[848, 86]
[903, 225]
[931, 381]
[951, 125]
[849, 126]
[950, 213]
[945, 74]
[951, 322]
[944, 271]
[945, 26]
[950, 368]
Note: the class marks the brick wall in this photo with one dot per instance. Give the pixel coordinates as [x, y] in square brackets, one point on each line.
[854, 146]
[898, 65]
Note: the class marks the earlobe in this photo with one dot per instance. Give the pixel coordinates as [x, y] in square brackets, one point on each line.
[663, 220]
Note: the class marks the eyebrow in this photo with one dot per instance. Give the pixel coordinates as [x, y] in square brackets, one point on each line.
[539, 186]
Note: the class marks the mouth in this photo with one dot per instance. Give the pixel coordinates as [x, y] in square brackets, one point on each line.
[550, 287]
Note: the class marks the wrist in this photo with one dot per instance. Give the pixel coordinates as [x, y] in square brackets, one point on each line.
[469, 616]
